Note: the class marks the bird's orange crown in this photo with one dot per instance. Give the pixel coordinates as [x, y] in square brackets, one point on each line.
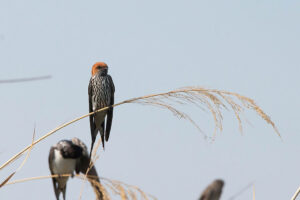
[96, 67]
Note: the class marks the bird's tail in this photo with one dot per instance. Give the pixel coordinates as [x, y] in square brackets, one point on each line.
[102, 139]
[64, 192]
[57, 193]
[94, 135]
[102, 130]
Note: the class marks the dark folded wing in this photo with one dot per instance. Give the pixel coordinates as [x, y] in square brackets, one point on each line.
[110, 110]
[92, 123]
[95, 182]
[50, 160]
[82, 165]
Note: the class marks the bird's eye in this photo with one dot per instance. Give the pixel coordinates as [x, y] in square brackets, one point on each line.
[98, 67]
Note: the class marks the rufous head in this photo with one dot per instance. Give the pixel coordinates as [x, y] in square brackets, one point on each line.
[99, 67]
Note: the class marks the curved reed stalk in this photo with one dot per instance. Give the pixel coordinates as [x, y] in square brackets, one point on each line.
[211, 99]
[296, 194]
[91, 172]
[22, 164]
[108, 187]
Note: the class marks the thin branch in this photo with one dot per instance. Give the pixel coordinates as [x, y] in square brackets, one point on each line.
[25, 79]
[242, 191]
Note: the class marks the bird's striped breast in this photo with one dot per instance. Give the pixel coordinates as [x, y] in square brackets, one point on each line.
[102, 91]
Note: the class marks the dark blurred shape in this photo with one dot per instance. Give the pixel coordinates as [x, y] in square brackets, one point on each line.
[213, 191]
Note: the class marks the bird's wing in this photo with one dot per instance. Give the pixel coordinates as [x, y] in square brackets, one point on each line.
[206, 195]
[92, 122]
[82, 165]
[92, 176]
[102, 134]
[110, 110]
[83, 161]
[202, 197]
[50, 160]
[212, 192]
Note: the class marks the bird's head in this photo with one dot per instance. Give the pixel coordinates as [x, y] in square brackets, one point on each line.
[72, 152]
[99, 68]
[69, 150]
[219, 182]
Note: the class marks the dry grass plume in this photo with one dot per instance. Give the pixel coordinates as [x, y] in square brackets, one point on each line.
[211, 99]
[108, 187]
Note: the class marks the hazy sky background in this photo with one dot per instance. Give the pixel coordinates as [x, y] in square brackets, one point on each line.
[249, 47]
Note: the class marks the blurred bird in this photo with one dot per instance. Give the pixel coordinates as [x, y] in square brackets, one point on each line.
[66, 157]
[213, 191]
[101, 94]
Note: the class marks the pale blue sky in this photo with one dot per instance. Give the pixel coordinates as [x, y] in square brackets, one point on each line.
[249, 47]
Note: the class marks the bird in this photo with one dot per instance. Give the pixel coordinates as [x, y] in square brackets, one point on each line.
[101, 94]
[213, 191]
[66, 157]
